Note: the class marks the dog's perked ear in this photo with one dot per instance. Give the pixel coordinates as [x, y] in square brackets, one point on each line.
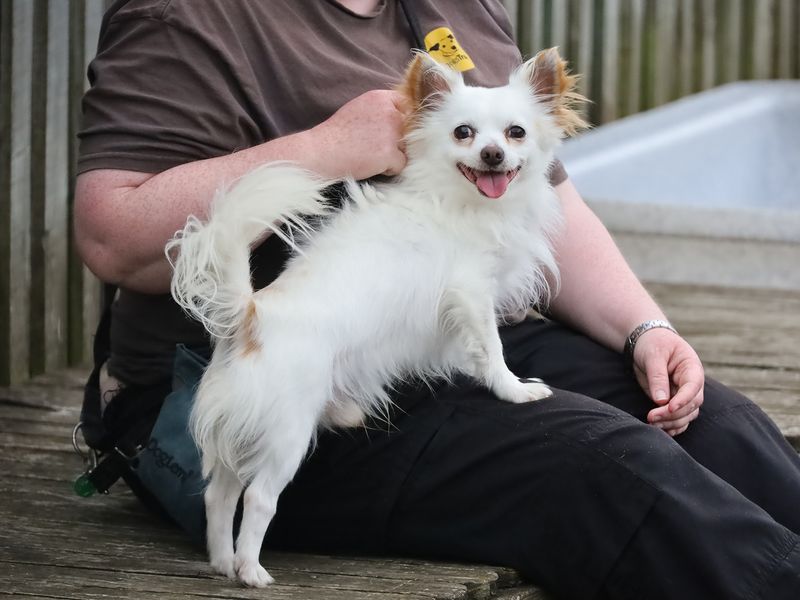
[426, 81]
[549, 79]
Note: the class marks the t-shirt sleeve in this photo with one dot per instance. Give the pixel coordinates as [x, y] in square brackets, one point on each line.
[557, 173]
[160, 96]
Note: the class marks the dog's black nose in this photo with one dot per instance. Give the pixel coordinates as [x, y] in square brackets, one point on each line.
[492, 155]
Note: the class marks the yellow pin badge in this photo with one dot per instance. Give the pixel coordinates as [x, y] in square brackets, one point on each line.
[442, 45]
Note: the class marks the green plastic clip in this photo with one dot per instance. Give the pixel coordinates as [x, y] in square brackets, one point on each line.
[83, 486]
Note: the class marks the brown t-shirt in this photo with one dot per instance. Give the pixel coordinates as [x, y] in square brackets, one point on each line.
[176, 81]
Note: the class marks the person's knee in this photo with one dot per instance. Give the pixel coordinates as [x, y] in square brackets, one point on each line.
[718, 399]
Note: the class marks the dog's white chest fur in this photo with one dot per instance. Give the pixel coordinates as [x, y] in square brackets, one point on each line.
[379, 287]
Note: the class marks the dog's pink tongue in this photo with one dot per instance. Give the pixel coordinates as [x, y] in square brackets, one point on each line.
[492, 184]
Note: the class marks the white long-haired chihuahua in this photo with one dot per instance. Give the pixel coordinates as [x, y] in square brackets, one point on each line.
[409, 279]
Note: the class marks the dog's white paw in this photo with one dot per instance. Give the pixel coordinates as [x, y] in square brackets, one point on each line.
[536, 389]
[528, 390]
[224, 565]
[252, 574]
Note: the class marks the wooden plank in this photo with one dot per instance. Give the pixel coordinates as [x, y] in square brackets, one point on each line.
[64, 418]
[38, 257]
[746, 340]
[537, 25]
[327, 573]
[648, 57]
[741, 328]
[635, 39]
[664, 59]
[121, 552]
[708, 72]
[56, 517]
[609, 94]
[93, 16]
[34, 427]
[6, 93]
[92, 289]
[731, 43]
[56, 184]
[49, 215]
[64, 381]
[52, 502]
[762, 39]
[37, 465]
[75, 280]
[5, 594]
[73, 583]
[687, 47]
[44, 397]
[780, 305]
[6, 79]
[523, 31]
[512, 8]
[781, 386]
[370, 582]
[559, 27]
[146, 550]
[584, 56]
[13, 442]
[786, 36]
[15, 214]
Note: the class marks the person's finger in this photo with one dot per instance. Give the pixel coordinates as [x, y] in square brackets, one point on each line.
[664, 419]
[663, 414]
[657, 379]
[690, 381]
[674, 432]
[397, 163]
[682, 425]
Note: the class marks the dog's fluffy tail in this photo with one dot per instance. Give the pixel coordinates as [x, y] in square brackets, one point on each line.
[211, 261]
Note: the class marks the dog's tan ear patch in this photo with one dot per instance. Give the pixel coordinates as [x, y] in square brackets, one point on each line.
[424, 81]
[553, 85]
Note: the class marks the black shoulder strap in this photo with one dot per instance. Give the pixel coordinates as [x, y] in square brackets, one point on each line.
[92, 427]
[413, 23]
[117, 440]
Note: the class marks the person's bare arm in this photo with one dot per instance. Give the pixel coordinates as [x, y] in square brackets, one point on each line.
[599, 293]
[123, 219]
[602, 297]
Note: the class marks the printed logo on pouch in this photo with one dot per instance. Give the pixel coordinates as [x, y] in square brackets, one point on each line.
[165, 460]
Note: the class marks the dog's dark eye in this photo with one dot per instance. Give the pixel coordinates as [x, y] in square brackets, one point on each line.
[463, 132]
[516, 132]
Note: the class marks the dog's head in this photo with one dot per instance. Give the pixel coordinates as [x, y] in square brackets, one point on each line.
[486, 138]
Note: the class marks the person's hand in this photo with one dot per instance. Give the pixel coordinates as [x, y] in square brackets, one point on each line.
[364, 137]
[670, 372]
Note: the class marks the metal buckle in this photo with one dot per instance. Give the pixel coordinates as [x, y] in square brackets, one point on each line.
[90, 457]
[137, 451]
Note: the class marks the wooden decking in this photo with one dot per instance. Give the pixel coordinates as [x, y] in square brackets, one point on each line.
[748, 339]
[54, 544]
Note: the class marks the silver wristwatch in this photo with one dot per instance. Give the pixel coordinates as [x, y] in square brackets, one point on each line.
[630, 342]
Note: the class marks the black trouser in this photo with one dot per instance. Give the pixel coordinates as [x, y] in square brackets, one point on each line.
[575, 491]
